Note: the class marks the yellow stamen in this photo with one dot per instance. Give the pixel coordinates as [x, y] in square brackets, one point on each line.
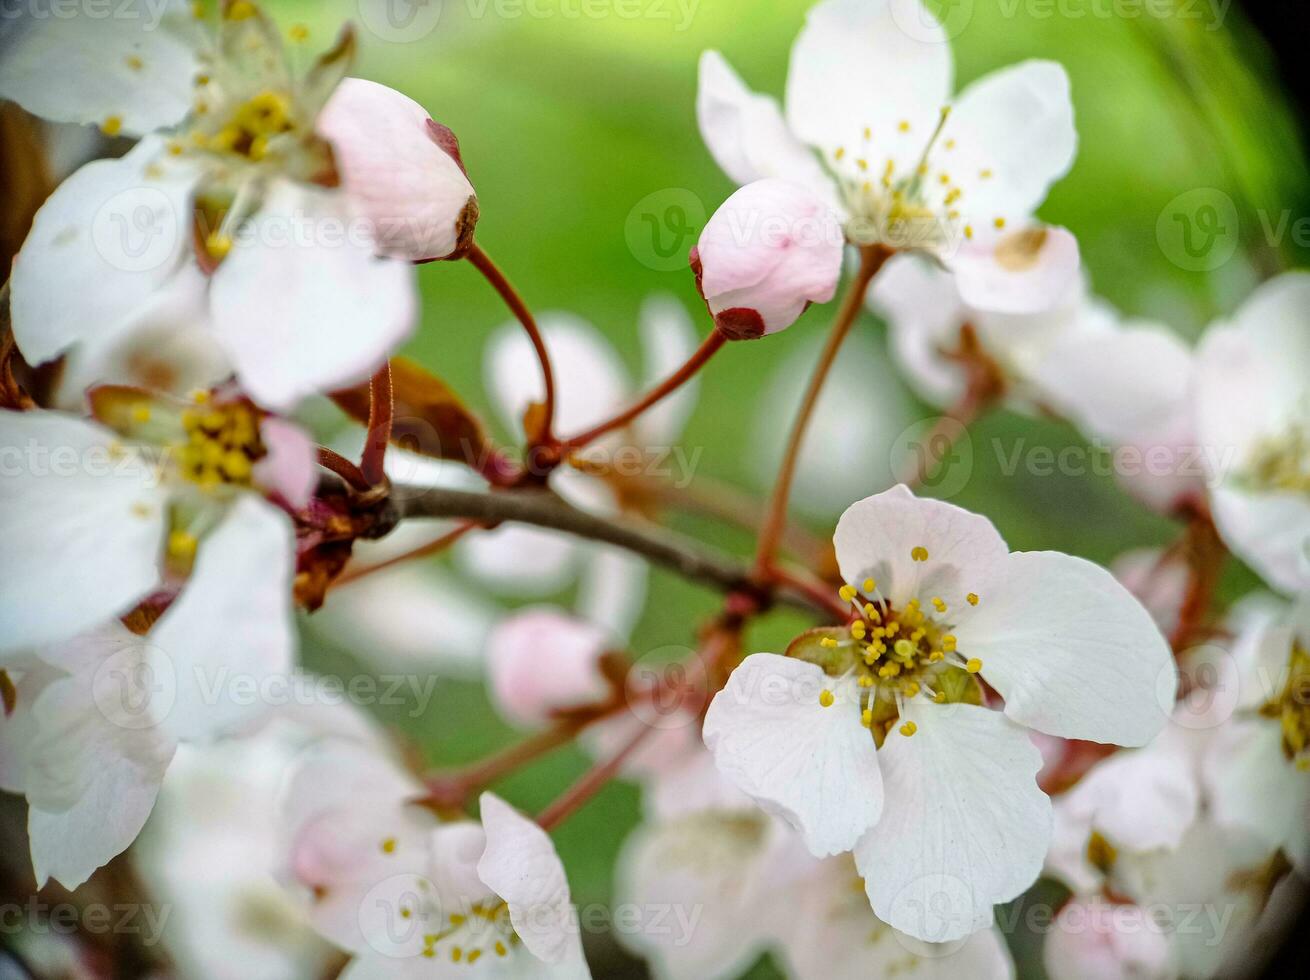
[973, 665]
[973, 598]
[112, 126]
[919, 553]
[825, 698]
[908, 729]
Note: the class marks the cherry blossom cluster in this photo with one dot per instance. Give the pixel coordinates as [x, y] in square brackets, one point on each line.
[958, 720]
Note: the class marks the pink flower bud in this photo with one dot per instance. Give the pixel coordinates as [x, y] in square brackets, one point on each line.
[541, 660]
[769, 251]
[402, 170]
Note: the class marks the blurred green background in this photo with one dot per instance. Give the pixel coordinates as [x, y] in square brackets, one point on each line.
[568, 121]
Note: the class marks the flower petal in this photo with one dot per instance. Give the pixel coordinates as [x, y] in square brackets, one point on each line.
[109, 224]
[303, 304]
[1268, 531]
[541, 660]
[965, 826]
[1031, 270]
[924, 312]
[745, 131]
[231, 630]
[414, 193]
[1071, 651]
[877, 537]
[855, 65]
[137, 66]
[521, 866]
[1093, 939]
[1014, 136]
[814, 766]
[82, 529]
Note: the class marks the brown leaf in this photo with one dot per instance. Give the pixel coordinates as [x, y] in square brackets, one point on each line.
[24, 180]
[8, 693]
[429, 418]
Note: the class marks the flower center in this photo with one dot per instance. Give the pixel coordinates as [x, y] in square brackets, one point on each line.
[897, 655]
[221, 447]
[484, 930]
[1292, 708]
[249, 127]
[1282, 463]
[897, 192]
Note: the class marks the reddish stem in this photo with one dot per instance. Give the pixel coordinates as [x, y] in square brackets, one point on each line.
[482, 262]
[813, 589]
[591, 782]
[344, 468]
[871, 260]
[381, 410]
[433, 547]
[708, 348]
[453, 788]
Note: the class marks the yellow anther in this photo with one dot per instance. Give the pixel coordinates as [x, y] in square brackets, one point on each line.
[866, 717]
[198, 10]
[141, 413]
[871, 611]
[949, 144]
[847, 593]
[939, 697]
[985, 174]
[999, 223]
[389, 845]
[870, 585]
[948, 643]
[968, 231]
[112, 125]
[865, 681]
[908, 729]
[953, 195]
[891, 629]
[973, 598]
[839, 153]
[218, 244]
[904, 126]
[917, 635]
[406, 913]
[862, 163]
[135, 63]
[919, 553]
[938, 603]
[182, 545]
[910, 689]
[890, 669]
[298, 33]
[236, 465]
[241, 10]
[500, 949]
[944, 179]
[456, 954]
[828, 643]
[936, 657]
[429, 952]
[474, 954]
[858, 629]
[457, 920]
[868, 133]
[175, 148]
[973, 665]
[825, 698]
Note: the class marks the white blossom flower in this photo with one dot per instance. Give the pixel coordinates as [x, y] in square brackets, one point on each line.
[1253, 416]
[211, 851]
[887, 749]
[100, 518]
[904, 164]
[541, 660]
[232, 180]
[768, 252]
[1257, 768]
[411, 897]
[89, 742]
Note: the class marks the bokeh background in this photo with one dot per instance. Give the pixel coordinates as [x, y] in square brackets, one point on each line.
[577, 125]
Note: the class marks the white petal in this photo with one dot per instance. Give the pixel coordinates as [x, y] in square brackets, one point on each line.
[138, 65]
[612, 589]
[109, 224]
[667, 340]
[814, 766]
[303, 305]
[1071, 651]
[411, 190]
[855, 64]
[591, 380]
[1093, 939]
[1028, 271]
[1253, 785]
[745, 132]
[965, 826]
[82, 530]
[18, 727]
[229, 638]
[923, 309]
[95, 771]
[541, 660]
[714, 861]
[496, 558]
[1268, 531]
[876, 538]
[521, 866]
[1015, 124]
[168, 347]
